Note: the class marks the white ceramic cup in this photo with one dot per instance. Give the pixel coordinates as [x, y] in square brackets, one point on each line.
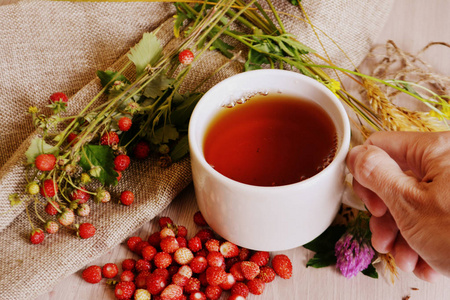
[268, 218]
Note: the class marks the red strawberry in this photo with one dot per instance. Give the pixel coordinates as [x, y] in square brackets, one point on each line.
[202, 252]
[179, 280]
[58, 97]
[86, 230]
[155, 283]
[266, 274]
[119, 175]
[124, 123]
[83, 210]
[140, 246]
[164, 221]
[51, 227]
[169, 244]
[195, 244]
[165, 232]
[228, 249]
[237, 272]
[212, 245]
[183, 256]
[202, 278]
[199, 219]
[127, 276]
[244, 254]
[182, 231]
[229, 262]
[282, 266]
[162, 260]
[141, 279]
[124, 290]
[228, 283]
[256, 286]
[110, 270]
[92, 274]
[240, 288]
[261, 258]
[182, 241]
[149, 252]
[37, 236]
[49, 188]
[213, 292]
[45, 162]
[205, 235]
[126, 197]
[109, 138]
[143, 265]
[132, 242]
[186, 57]
[128, 264]
[198, 264]
[141, 150]
[215, 259]
[80, 195]
[164, 273]
[66, 217]
[215, 275]
[249, 269]
[72, 138]
[185, 270]
[197, 296]
[236, 297]
[121, 162]
[193, 285]
[154, 239]
[172, 292]
[51, 208]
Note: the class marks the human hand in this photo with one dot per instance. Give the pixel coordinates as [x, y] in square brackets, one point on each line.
[404, 180]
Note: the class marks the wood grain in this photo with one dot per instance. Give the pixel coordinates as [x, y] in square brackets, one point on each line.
[412, 24]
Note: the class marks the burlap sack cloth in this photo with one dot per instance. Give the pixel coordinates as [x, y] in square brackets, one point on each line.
[57, 46]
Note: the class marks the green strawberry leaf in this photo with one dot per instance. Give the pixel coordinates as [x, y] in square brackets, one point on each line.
[163, 134]
[322, 259]
[94, 156]
[182, 113]
[38, 146]
[180, 149]
[370, 271]
[146, 52]
[14, 199]
[326, 241]
[107, 76]
[158, 86]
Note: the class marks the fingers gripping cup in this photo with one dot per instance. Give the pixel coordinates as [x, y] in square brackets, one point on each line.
[268, 152]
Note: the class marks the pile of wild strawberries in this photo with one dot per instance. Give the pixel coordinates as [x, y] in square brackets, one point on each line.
[172, 267]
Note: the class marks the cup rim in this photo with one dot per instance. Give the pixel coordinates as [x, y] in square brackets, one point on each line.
[195, 147]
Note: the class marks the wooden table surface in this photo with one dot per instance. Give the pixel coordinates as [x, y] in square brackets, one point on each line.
[412, 24]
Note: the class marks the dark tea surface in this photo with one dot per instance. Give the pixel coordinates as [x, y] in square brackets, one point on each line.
[271, 140]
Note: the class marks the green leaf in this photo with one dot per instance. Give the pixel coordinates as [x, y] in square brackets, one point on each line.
[370, 271]
[14, 199]
[38, 146]
[158, 86]
[322, 259]
[102, 157]
[326, 241]
[182, 113]
[180, 149]
[295, 2]
[255, 60]
[107, 76]
[147, 52]
[163, 134]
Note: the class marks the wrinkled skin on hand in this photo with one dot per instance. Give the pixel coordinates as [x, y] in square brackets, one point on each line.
[404, 180]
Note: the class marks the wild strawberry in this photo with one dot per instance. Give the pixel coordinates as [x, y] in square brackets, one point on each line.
[193, 285]
[199, 219]
[237, 272]
[45, 162]
[202, 278]
[128, 264]
[183, 256]
[162, 260]
[141, 150]
[121, 162]
[51, 208]
[72, 138]
[256, 286]
[282, 266]
[149, 252]
[127, 276]
[142, 265]
[229, 249]
[124, 290]
[229, 262]
[66, 217]
[110, 270]
[83, 210]
[261, 258]
[240, 288]
[244, 254]
[51, 227]
[186, 57]
[126, 197]
[249, 269]
[228, 283]
[124, 124]
[164, 221]
[163, 272]
[119, 175]
[156, 283]
[236, 297]
[212, 245]
[37, 236]
[181, 231]
[215, 259]
[195, 244]
[32, 188]
[202, 252]
[185, 270]
[92, 274]
[266, 274]
[169, 244]
[198, 264]
[109, 138]
[154, 239]
[205, 234]
[197, 296]
[86, 230]
[132, 242]
[102, 196]
[140, 246]
[141, 279]
[179, 280]
[213, 292]
[215, 275]
[49, 188]
[142, 294]
[166, 232]
[80, 195]
[58, 97]
[173, 269]
[182, 241]
[172, 292]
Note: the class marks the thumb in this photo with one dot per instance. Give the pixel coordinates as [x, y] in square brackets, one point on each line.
[374, 169]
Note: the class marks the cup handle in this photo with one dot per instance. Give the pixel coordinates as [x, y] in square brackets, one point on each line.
[349, 197]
